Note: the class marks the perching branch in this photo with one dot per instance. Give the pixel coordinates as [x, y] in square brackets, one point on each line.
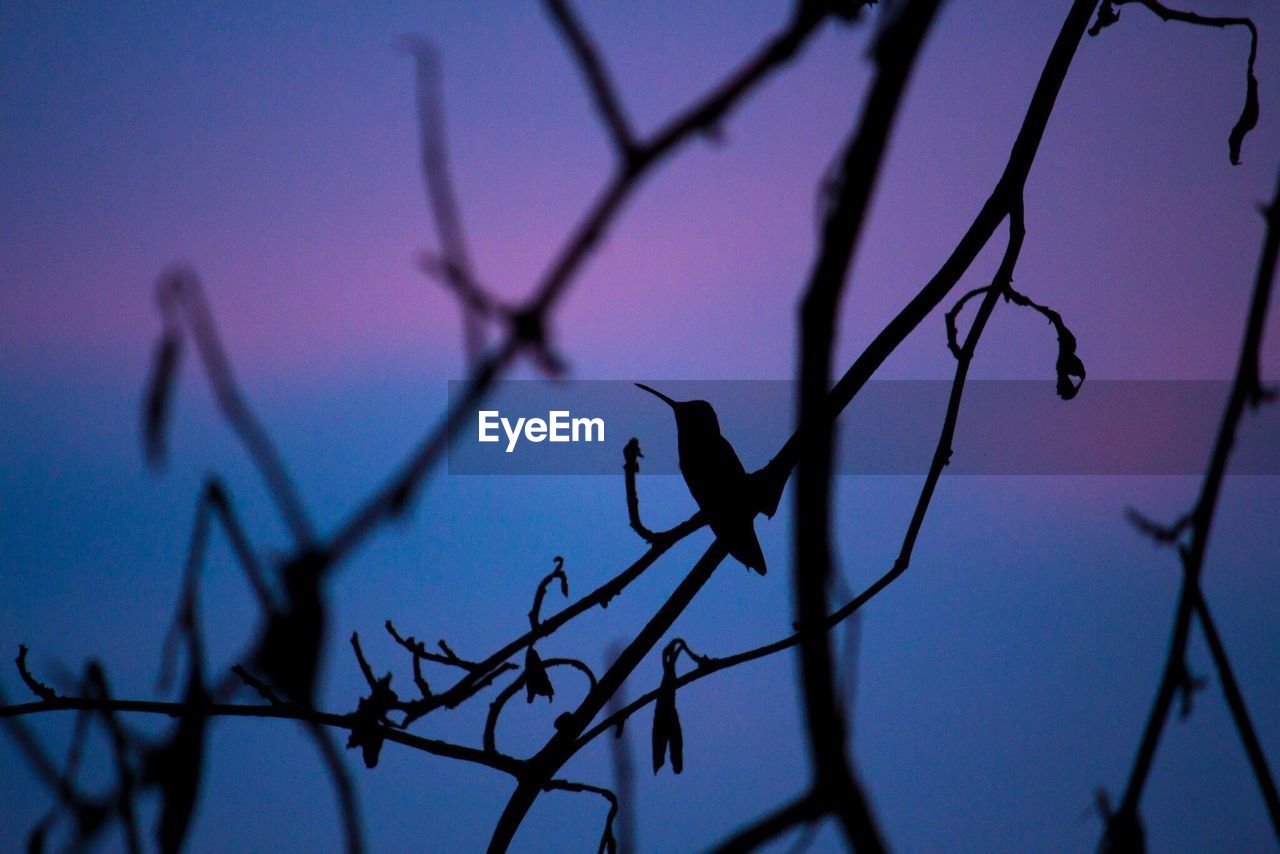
[300, 618]
[941, 458]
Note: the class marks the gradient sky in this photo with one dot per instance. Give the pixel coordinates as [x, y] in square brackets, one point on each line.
[273, 146]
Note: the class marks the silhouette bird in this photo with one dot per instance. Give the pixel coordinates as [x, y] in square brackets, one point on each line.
[716, 478]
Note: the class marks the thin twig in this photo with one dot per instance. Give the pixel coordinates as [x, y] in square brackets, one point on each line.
[1242, 390]
[1248, 119]
[805, 809]
[543, 766]
[608, 843]
[180, 295]
[454, 266]
[941, 457]
[557, 573]
[602, 90]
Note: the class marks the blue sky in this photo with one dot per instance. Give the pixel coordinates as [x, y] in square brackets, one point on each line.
[999, 683]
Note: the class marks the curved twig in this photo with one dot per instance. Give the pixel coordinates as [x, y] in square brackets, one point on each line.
[608, 843]
[557, 573]
[500, 702]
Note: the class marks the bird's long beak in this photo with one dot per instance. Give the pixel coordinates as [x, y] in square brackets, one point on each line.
[658, 394]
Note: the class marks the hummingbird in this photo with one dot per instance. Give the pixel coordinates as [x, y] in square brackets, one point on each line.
[716, 478]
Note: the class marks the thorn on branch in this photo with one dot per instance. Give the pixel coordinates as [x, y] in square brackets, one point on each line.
[419, 653]
[262, 688]
[848, 11]
[41, 690]
[451, 657]
[1107, 15]
[1162, 534]
[1259, 395]
[1188, 687]
[164, 368]
[419, 650]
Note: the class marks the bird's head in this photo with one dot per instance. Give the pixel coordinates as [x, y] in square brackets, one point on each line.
[696, 416]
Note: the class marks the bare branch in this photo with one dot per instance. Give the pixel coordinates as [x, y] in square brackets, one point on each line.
[543, 766]
[365, 669]
[1249, 114]
[595, 74]
[941, 457]
[1163, 534]
[522, 681]
[348, 808]
[773, 477]
[454, 265]
[1193, 556]
[805, 809]
[608, 843]
[528, 329]
[180, 297]
[263, 689]
[834, 782]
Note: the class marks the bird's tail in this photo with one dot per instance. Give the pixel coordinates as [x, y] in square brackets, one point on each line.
[745, 548]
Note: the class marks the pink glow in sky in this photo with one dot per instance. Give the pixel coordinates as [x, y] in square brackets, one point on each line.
[273, 146]
[278, 155]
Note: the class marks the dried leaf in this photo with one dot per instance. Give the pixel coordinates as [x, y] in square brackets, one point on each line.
[668, 738]
[1069, 367]
[536, 681]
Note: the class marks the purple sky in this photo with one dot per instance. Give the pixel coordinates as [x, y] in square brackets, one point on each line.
[273, 146]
